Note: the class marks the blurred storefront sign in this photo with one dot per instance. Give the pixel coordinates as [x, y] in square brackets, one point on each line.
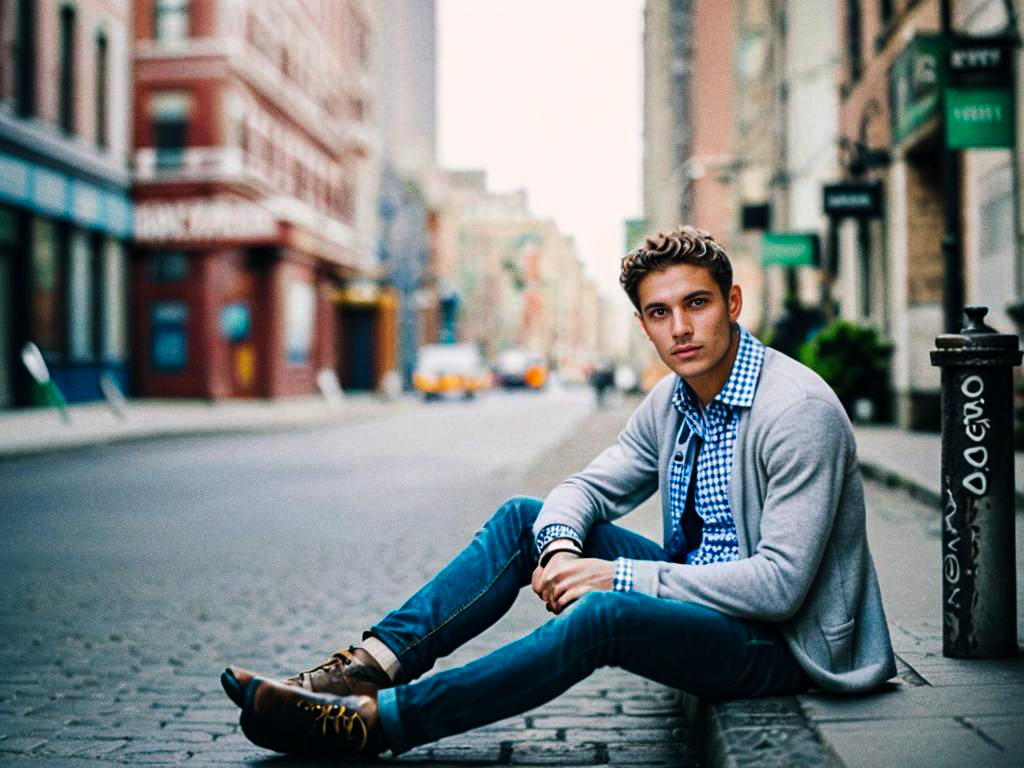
[914, 83]
[791, 249]
[203, 221]
[53, 193]
[858, 199]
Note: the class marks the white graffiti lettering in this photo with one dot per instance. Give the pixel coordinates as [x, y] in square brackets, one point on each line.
[950, 508]
[978, 430]
[976, 483]
[976, 456]
[973, 386]
[951, 600]
[951, 568]
[950, 562]
[976, 427]
[972, 411]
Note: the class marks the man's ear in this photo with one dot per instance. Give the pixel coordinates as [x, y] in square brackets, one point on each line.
[735, 303]
[643, 328]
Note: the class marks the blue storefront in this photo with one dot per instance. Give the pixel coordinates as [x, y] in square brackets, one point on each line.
[63, 276]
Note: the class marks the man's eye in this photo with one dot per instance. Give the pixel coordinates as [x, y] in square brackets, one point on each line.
[698, 302]
[659, 312]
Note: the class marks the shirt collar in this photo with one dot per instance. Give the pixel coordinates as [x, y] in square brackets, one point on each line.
[741, 385]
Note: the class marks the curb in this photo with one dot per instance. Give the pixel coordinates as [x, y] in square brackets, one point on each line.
[745, 732]
[925, 494]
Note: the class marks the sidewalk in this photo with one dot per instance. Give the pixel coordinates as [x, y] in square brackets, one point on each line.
[41, 430]
[912, 461]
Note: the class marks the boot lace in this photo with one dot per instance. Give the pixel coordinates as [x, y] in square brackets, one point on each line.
[339, 660]
[336, 720]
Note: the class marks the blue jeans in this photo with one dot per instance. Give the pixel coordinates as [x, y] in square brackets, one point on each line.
[682, 645]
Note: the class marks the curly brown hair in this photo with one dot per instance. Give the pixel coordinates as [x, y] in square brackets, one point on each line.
[685, 245]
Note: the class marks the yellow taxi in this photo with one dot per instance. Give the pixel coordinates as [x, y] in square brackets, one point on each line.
[449, 369]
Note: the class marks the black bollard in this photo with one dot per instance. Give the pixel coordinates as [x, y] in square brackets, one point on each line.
[979, 589]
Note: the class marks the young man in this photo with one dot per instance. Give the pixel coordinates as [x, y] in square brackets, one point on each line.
[764, 587]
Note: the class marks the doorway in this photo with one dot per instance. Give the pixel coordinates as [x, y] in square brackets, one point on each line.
[358, 358]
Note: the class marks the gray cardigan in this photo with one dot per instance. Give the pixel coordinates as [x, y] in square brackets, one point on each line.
[798, 501]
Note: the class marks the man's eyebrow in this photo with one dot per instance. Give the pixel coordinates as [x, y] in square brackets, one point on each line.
[687, 297]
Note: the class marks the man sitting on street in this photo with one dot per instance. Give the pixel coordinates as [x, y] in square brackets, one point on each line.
[764, 586]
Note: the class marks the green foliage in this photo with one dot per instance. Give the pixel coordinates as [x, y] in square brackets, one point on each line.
[852, 359]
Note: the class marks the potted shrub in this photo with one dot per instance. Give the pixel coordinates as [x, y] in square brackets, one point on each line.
[855, 362]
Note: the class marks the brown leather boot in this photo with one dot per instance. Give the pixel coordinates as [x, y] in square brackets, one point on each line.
[287, 719]
[346, 673]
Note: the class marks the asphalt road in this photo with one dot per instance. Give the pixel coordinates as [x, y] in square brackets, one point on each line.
[130, 575]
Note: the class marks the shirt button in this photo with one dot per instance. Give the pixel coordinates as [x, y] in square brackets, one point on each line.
[678, 457]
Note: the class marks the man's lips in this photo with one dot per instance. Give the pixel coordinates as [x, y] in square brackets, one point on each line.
[684, 351]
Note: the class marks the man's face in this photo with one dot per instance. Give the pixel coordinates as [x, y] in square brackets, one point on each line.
[690, 323]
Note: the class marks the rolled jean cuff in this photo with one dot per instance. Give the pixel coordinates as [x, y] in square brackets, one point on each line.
[391, 721]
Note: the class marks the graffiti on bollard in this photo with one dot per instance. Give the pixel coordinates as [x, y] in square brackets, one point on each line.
[975, 428]
[978, 558]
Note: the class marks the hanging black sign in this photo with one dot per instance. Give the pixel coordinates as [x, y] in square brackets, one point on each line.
[862, 199]
[980, 61]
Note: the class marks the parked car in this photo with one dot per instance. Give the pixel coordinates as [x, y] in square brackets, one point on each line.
[449, 369]
[516, 368]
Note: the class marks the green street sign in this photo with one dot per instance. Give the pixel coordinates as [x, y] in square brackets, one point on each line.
[915, 80]
[790, 249]
[979, 118]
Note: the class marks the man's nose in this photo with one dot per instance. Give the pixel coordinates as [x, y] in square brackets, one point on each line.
[681, 327]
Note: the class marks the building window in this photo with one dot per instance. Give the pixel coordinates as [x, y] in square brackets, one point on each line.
[853, 39]
[299, 307]
[46, 323]
[25, 59]
[102, 73]
[170, 19]
[81, 299]
[66, 106]
[169, 113]
[168, 347]
[168, 267]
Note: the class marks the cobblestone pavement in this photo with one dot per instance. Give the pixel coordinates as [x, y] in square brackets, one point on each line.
[129, 576]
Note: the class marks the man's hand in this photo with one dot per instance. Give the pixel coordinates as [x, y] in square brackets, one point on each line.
[567, 577]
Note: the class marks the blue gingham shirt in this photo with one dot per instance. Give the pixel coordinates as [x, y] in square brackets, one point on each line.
[716, 425]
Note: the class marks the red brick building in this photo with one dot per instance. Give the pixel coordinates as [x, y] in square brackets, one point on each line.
[255, 266]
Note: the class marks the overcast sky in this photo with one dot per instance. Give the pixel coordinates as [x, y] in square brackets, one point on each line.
[547, 95]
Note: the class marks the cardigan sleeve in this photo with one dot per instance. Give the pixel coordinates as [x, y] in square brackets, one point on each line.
[621, 477]
[807, 453]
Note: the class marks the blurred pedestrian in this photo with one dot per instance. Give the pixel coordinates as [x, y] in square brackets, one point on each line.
[764, 586]
[602, 379]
